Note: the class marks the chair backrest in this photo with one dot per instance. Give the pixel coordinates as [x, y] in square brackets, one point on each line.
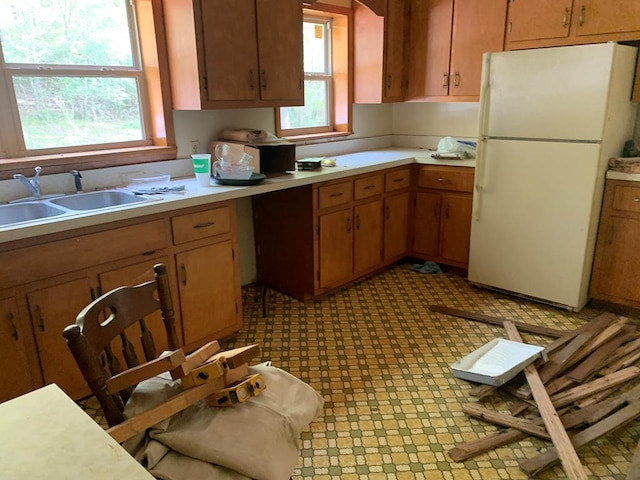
[102, 336]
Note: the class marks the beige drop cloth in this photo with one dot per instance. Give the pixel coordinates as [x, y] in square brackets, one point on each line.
[257, 439]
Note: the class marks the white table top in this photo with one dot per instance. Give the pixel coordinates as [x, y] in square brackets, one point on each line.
[45, 435]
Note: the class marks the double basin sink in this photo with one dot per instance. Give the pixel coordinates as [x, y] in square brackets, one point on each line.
[31, 210]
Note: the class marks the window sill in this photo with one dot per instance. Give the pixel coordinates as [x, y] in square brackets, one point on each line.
[59, 163]
[310, 139]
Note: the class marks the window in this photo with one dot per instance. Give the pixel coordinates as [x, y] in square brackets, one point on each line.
[73, 78]
[327, 109]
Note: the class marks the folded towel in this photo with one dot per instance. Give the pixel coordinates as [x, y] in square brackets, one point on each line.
[426, 267]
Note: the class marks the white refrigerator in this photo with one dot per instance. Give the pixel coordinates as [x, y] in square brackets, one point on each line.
[550, 119]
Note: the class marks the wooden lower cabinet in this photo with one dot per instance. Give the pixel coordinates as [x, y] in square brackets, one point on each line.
[17, 375]
[198, 248]
[616, 265]
[441, 223]
[315, 238]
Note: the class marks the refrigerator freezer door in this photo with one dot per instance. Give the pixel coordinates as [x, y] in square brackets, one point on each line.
[547, 93]
[535, 219]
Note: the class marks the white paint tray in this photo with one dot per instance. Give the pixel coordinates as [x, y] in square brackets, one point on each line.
[496, 362]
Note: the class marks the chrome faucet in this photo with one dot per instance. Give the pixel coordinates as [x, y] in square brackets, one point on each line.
[32, 184]
[77, 180]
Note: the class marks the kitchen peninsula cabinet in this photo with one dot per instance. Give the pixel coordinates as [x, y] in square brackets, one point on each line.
[545, 23]
[46, 282]
[312, 239]
[616, 264]
[447, 40]
[234, 53]
[17, 354]
[441, 221]
[379, 52]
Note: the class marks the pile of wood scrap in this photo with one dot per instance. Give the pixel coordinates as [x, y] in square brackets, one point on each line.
[587, 387]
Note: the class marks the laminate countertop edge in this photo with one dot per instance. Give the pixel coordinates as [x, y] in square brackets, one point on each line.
[346, 165]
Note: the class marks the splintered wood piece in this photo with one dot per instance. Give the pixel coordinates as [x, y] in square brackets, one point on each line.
[478, 411]
[591, 414]
[559, 384]
[479, 317]
[567, 454]
[482, 391]
[623, 416]
[135, 375]
[598, 359]
[195, 359]
[623, 362]
[624, 351]
[132, 426]
[470, 449]
[577, 393]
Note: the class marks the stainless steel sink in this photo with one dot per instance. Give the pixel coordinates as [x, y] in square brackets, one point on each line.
[96, 200]
[27, 211]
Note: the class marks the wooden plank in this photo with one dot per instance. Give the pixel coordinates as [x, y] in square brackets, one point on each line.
[479, 317]
[135, 375]
[482, 391]
[549, 457]
[195, 359]
[598, 359]
[567, 454]
[624, 351]
[470, 449]
[594, 413]
[140, 423]
[582, 391]
[237, 357]
[478, 411]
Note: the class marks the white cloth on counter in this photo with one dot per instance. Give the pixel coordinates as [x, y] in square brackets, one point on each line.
[256, 439]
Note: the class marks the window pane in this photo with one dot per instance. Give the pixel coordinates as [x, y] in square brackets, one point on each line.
[71, 32]
[314, 112]
[315, 47]
[67, 111]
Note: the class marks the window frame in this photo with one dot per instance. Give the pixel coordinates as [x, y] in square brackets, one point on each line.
[155, 104]
[340, 109]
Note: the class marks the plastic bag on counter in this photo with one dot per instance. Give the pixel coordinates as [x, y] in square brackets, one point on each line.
[463, 148]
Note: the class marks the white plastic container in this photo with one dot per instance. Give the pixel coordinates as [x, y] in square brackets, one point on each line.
[496, 362]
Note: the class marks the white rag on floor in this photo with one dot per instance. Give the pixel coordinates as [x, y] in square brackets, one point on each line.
[256, 439]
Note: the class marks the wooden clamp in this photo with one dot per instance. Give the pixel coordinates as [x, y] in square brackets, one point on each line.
[238, 392]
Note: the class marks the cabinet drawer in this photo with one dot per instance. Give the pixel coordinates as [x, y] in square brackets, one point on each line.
[368, 187]
[63, 256]
[626, 199]
[194, 226]
[334, 195]
[397, 180]
[446, 178]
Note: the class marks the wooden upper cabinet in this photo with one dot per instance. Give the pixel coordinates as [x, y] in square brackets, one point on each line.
[446, 44]
[539, 19]
[379, 52]
[597, 17]
[234, 53]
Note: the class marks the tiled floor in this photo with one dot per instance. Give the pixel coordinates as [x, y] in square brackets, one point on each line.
[381, 359]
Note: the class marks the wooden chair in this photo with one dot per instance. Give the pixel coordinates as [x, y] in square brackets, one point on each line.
[105, 322]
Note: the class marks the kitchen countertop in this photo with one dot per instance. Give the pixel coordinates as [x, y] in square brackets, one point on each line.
[615, 175]
[346, 165]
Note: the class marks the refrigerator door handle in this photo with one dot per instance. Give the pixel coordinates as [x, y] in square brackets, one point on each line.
[485, 94]
[479, 178]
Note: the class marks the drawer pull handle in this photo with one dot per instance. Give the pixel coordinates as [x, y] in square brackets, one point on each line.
[348, 224]
[204, 224]
[636, 199]
[565, 18]
[147, 253]
[39, 316]
[183, 274]
[398, 180]
[583, 11]
[369, 187]
[336, 194]
[14, 328]
[442, 180]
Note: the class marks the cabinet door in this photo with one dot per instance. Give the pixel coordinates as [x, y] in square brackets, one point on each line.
[594, 17]
[430, 46]
[619, 260]
[209, 296]
[135, 275]
[280, 50]
[478, 27]
[335, 247]
[367, 241]
[456, 227]
[394, 49]
[230, 49]
[396, 224]
[15, 375]
[529, 20]
[52, 309]
[427, 224]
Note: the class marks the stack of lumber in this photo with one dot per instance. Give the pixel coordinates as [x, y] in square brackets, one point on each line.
[587, 387]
